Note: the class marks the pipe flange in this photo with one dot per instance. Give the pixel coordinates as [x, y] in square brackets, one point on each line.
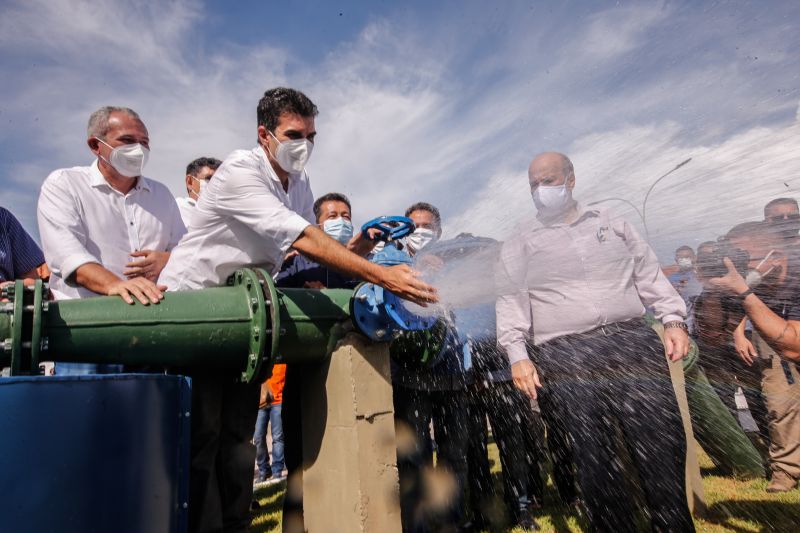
[258, 321]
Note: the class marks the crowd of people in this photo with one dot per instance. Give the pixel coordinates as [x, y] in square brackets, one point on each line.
[563, 365]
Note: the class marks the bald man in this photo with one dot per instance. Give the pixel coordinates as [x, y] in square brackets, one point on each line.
[577, 284]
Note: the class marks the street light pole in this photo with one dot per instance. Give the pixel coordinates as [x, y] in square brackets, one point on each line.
[646, 196]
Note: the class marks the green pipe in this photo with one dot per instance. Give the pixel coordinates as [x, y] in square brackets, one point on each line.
[248, 326]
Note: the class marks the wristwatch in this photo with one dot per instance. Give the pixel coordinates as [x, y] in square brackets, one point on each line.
[677, 324]
[742, 295]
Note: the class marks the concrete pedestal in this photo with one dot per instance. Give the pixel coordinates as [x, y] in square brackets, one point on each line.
[350, 478]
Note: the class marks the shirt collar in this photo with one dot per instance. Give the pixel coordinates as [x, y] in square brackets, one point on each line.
[98, 180]
[581, 213]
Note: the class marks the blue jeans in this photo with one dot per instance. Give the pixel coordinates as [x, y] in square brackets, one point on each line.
[270, 415]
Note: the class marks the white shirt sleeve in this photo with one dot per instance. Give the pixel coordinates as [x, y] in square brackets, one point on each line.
[61, 227]
[653, 287]
[513, 306]
[177, 227]
[244, 198]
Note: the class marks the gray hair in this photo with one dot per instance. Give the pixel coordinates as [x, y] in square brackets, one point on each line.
[98, 121]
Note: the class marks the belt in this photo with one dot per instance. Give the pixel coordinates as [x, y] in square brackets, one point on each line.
[606, 330]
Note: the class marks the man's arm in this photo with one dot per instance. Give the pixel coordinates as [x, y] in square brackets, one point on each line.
[655, 290]
[782, 335]
[26, 256]
[361, 244]
[747, 352]
[513, 312]
[401, 280]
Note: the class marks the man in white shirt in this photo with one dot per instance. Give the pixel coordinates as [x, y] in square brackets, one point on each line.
[258, 205]
[105, 228]
[198, 174]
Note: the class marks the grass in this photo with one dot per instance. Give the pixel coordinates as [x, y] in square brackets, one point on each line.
[733, 506]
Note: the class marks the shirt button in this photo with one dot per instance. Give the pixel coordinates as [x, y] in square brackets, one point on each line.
[131, 223]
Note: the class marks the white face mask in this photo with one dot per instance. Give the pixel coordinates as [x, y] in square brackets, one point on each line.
[340, 229]
[755, 277]
[552, 200]
[203, 184]
[685, 263]
[421, 238]
[128, 159]
[292, 155]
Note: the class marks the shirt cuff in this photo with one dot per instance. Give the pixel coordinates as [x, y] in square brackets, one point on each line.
[672, 318]
[72, 262]
[516, 353]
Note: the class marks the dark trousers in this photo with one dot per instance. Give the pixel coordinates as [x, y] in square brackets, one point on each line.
[414, 412]
[615, 381]
[291, 416]
[549, 436]
[223, 418]
[510, 414]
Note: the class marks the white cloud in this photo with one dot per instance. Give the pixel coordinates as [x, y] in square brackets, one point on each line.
[447, 108]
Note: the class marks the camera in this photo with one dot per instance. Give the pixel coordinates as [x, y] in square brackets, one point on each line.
[710, 264]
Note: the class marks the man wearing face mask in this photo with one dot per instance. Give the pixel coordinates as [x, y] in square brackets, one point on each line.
[771, 303]
[106, 229]
[257, 207]
[198, 174]
[425, 397]
[685, 280]
[576, 284]
[428, 224]
[332, 213]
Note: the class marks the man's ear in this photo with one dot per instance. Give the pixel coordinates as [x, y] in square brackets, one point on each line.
[94, 145]
[263, 135]
[188, 182]
[571, 181]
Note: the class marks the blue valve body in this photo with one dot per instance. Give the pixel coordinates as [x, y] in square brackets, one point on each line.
[380, 315]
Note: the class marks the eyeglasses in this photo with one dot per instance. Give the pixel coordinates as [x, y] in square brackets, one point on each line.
[784, 217]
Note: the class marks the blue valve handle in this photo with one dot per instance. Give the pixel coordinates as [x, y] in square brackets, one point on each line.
[392, 228]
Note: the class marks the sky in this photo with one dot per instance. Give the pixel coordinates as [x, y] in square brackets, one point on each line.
[445, 102]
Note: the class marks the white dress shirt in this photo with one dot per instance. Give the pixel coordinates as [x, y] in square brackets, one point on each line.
[571, 278]
[243, 219]
[186, 206]
[82, 219]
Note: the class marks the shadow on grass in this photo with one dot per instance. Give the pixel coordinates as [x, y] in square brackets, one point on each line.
[267, 517]
[770, 515]
[556, 514]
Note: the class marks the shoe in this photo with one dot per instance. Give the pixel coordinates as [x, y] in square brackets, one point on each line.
[781, 482]
[262, 478]
[275, 479]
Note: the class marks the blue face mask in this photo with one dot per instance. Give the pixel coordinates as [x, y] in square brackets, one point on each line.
[340, 229]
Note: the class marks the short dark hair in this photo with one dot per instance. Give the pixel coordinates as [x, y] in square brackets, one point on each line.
[330, 197]
[746, 229]
[779, 201]
[281, 100]
[684, 248]
[425, 206]
[194, 167]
